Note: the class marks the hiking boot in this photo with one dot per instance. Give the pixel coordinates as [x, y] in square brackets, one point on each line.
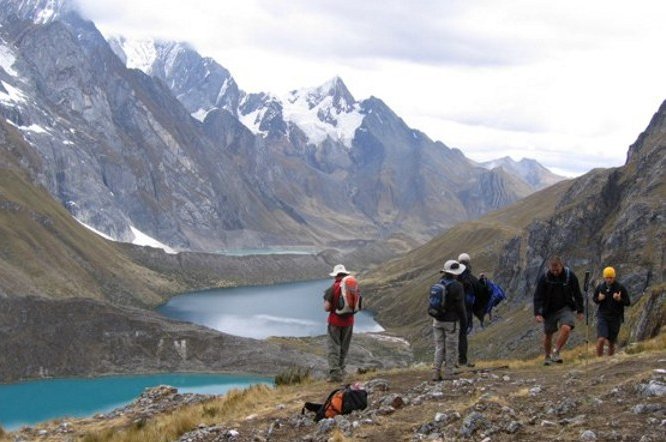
[448, 377]
[334, 378]
[547, 361]
[436, 376]
[469, 364]
[555, 357]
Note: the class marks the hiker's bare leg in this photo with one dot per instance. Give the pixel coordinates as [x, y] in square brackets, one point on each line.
[547, 343]
[611, 348]
[600, 346]
[562, 337]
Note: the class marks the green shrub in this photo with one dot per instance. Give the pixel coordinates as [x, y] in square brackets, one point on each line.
[293, 375]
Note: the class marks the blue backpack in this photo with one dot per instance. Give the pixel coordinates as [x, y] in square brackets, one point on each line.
[437, 299]
[497, 295]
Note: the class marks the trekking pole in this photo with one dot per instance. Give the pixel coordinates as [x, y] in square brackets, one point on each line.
[586, 286]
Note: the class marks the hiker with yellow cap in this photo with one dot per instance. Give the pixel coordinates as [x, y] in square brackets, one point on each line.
[611, 297]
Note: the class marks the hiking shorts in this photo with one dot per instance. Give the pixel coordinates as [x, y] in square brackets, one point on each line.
[561, 317]
[608, 328]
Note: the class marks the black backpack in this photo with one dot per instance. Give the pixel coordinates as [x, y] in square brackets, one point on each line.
[342, 400]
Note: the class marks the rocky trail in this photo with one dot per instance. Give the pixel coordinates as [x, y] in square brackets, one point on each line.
[621, 398]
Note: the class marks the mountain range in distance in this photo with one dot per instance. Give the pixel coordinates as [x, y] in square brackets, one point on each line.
[150, 139]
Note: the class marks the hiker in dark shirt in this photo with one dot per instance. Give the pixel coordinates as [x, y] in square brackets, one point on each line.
[445, 330]
[340, 327]
[473, 293]
[556, 297]
[611, 297]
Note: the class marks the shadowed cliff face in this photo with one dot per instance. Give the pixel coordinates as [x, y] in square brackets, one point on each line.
[608, 217]
[613, 217]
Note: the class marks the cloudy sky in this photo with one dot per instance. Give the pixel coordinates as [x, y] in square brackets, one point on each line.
[569, 83]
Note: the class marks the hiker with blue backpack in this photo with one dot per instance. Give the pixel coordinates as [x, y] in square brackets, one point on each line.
[446, 305]
[556, 297]
[475, 293]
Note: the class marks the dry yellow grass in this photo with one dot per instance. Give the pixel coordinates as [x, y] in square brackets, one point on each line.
[654, 344]
[236, 404]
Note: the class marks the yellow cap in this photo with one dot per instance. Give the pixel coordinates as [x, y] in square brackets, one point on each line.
[609, 272]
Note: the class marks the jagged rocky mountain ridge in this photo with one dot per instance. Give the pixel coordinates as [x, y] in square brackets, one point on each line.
[529, 170]
[186, 157]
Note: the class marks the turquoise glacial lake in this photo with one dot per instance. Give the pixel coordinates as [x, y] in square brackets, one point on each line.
[28, 403]
[290, 309]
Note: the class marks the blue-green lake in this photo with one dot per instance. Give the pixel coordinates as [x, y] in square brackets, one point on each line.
[290, 309]
[27, 403]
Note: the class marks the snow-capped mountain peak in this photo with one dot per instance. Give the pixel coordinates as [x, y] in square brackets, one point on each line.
[136, 54]
[325, 111]
[334, 88]
[37, 11]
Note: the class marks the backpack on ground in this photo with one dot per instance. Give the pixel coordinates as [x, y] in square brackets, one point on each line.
[437, 300]
[350, 300]
[342, 400]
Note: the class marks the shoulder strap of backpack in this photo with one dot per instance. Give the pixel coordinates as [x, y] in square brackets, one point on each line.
[311, 406]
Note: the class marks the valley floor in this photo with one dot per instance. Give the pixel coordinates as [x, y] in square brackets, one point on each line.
[620, 398]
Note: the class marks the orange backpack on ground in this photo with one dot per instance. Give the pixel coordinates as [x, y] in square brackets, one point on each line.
[341, 401]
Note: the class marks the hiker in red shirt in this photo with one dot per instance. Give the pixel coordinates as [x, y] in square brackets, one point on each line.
[339, 327]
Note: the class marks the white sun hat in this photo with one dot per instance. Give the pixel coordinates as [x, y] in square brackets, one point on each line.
[339, 269]
[453, 267]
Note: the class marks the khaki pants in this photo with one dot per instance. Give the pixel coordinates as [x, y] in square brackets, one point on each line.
[446, 345]
[339, 339]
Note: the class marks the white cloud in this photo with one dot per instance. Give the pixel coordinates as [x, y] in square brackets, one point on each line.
[569, 83]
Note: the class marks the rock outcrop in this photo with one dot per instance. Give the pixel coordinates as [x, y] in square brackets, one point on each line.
[607, 217]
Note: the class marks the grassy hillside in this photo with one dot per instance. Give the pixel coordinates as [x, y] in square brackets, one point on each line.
[605, 217]
[44, 251]
[397, 289]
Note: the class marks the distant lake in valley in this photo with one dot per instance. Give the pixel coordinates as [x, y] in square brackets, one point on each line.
[31, 402]
[290, 309]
